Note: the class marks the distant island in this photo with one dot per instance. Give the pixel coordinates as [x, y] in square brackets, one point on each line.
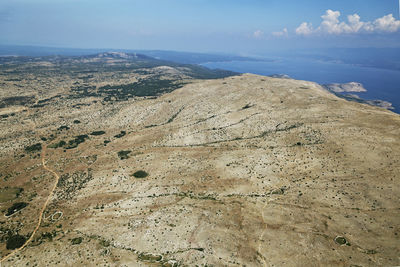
[341, 90]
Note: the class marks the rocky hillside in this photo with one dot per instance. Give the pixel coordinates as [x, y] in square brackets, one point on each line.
[239, 171]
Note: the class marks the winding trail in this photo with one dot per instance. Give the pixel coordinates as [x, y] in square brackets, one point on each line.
[260, 240]
[43, 154]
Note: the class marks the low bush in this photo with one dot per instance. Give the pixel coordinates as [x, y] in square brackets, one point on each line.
[140, 174]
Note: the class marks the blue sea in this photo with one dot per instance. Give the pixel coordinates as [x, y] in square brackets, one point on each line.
[382, 84]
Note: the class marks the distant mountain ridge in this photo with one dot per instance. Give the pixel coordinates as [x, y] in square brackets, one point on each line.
[120, 55]
[175, 56]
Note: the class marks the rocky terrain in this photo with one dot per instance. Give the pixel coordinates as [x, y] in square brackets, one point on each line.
[345, 87]
[156, 164]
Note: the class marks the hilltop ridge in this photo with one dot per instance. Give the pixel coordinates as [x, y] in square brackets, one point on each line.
[242, 170]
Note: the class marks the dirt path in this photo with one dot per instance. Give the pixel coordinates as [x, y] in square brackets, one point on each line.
[43, 157]
[260, 240]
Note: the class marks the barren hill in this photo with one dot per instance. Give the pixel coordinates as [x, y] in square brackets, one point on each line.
[238, 171]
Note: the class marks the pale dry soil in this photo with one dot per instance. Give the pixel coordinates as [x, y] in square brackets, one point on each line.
[242, 171]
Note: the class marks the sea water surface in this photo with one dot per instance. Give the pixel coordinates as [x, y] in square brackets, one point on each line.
[382, 84]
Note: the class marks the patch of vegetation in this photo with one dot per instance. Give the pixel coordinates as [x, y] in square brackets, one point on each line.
[15, 241]
[7, 194]
[47, 100]
[57, 145]
[193, 196]
[82, 91]
[51, 137]
[175, 115]
[200, 72]
[70, 184]
[340, 240]
[77, 121]
[140, 174]
[7, 115]
[38, 105]
[15, 208]
[76, 240]
[48, 236]
[124, 154]
[247, 106]
[279, 191]
[98, 133]
[84, 69]
[75, 142]
[146, 87]
[370, 251]
[63, 127]
[34, 148]
[13, 80]
[16, 101]
[121, 134]
[149, 257]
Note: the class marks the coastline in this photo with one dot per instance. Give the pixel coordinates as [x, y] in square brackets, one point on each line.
[380, 86]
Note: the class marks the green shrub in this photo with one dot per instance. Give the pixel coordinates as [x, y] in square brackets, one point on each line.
[63, 127]
[340, 240]
[140, 174]
[57, 145]
[15, 241]
[75, 142]
[76, 240]
[124, 154]
[123, 133]
[98, 133]
[34, 148]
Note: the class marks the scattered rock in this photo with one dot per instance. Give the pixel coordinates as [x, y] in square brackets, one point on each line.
[345, 87]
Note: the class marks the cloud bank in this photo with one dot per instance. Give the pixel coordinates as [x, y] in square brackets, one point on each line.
[331, 25]
[283, 33]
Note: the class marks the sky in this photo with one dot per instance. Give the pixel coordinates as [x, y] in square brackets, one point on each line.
[231, 26]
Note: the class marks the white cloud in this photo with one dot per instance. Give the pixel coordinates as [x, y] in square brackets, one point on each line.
[258, 34]
[387, 24]
[304, 29]
[354, 23]
[283, 33]
[331, 25]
